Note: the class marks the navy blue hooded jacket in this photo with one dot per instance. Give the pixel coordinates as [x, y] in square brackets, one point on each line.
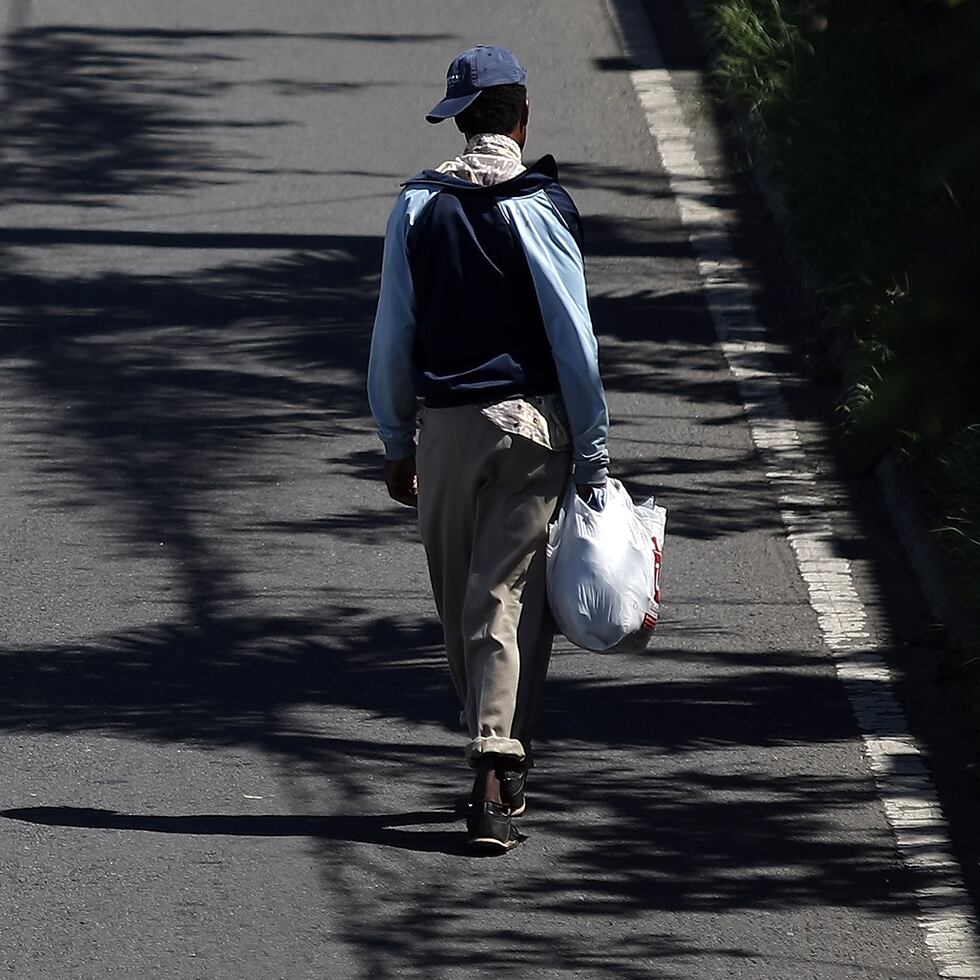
[483, 298]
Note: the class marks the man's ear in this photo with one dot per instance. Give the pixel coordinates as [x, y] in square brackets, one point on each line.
[526, 113]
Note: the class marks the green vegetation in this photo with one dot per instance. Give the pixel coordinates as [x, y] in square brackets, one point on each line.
[868, 114]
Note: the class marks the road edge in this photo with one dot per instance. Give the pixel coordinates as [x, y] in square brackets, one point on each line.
[911, 805]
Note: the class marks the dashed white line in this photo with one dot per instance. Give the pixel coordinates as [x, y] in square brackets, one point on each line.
[947, 919]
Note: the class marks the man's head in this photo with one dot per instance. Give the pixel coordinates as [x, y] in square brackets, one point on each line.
[485, 93]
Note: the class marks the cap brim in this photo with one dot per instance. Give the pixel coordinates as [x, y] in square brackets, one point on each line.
[450, 107]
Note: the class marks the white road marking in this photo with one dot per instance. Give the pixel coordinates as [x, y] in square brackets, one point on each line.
[911, 806]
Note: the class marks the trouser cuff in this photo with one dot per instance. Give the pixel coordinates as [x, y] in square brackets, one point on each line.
[496, 744]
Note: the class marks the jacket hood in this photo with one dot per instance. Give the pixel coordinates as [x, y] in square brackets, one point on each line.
[538, 175]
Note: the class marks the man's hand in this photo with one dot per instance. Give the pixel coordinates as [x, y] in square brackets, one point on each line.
[585, 490]
[402, 481]
[593, 494]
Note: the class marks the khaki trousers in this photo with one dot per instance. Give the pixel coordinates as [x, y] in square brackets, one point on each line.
[485, 500]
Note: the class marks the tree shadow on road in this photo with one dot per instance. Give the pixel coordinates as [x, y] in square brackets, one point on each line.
[175, 386]
[91, 115]
[145, 402]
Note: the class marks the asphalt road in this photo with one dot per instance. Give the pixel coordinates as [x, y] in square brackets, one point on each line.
[227, 738]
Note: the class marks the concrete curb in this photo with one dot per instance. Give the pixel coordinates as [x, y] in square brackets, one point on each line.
[934, 569]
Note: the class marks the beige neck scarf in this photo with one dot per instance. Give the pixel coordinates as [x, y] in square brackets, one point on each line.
[487, 159]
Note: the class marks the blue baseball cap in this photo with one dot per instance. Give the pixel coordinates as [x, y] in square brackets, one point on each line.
[472, 71]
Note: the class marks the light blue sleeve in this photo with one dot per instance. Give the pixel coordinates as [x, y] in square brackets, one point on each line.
[391, 373]
[558, 272]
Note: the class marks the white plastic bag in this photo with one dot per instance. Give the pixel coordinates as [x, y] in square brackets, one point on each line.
[603, 570]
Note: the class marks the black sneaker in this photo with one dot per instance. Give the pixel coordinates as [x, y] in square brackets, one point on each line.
[512, 789]
[488, 828]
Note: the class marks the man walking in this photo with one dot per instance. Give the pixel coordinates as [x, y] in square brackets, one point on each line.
[483, 315]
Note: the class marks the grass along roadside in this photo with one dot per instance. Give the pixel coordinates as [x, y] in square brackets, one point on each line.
[866, 117]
